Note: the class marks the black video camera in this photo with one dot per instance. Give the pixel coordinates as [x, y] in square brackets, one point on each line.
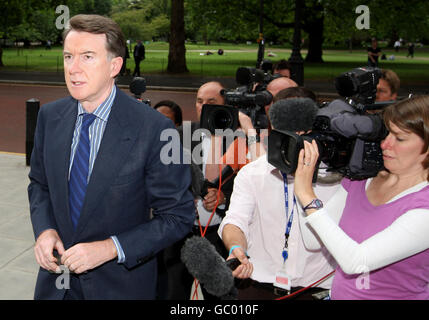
[250, 98]
[359, 86]
[348, 138]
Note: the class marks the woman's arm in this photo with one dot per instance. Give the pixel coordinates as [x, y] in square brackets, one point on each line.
[403, 238]
[334, 208]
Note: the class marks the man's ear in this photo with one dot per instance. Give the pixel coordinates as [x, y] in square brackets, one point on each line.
[116, 65]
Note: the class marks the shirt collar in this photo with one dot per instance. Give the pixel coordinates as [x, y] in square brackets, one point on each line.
[274, 171]
[103, 110]
[270, 167]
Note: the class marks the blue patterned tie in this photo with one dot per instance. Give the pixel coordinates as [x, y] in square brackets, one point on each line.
[79, 171]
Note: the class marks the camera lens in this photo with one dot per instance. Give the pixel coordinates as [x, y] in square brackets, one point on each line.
[222, 119]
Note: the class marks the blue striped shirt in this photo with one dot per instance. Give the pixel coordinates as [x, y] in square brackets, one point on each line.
[96, 131]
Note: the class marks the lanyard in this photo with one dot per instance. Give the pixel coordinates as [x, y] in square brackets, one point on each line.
[289, 221]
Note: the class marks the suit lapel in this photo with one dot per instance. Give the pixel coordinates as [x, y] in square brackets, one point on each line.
[61, 133]
[118, 139]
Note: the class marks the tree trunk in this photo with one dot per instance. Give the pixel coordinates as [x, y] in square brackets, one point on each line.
[1, 57]
[393, 38]
[315, 40]
[177, 50]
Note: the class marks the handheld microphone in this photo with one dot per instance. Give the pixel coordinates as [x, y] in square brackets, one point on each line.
[206, 264]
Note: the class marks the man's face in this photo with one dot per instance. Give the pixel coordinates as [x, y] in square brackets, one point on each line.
[383, 91]
[166, 111]
[88, 70]
[208, 93]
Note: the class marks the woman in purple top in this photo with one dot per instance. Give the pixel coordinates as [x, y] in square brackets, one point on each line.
[377, 229]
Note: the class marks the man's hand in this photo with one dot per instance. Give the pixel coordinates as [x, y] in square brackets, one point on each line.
[245, 269]
[47, 241]
[86, 256]
[209, 200]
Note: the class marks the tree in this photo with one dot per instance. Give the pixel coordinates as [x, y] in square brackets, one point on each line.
[313, 24]
[389, 20]
[144, 20]
[242, 16]
[177, 50]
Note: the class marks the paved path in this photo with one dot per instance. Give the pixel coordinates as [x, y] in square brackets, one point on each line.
[18, 267]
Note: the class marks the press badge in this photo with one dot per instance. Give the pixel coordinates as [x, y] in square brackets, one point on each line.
[283, 280]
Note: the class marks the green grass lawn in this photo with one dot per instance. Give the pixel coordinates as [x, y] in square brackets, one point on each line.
[336, 61]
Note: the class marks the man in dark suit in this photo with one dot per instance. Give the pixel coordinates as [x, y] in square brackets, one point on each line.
[139, 55]
[96, 173]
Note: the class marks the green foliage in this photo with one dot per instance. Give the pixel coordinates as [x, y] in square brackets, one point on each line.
[389, 20]
[142, 19]
[131, 24]
[219, 20]
[101, 7]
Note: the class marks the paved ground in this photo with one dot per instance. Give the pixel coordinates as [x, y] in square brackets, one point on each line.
[18, 267]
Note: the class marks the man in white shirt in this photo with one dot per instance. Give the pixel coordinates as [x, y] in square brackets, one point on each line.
[258, 219]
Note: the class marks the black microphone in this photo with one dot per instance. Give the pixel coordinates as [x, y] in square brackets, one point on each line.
[206, 264]
[293, 114]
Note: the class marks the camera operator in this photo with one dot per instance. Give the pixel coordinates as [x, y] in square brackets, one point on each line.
[181, 280]
[282, 68]
[376, 229]
[262, 207]
[209, 93]
[238, 153]
[388, 86]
